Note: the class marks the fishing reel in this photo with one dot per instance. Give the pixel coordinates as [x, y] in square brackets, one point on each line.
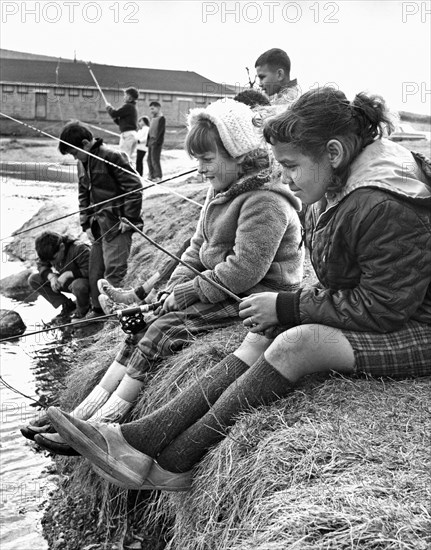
[132, 319]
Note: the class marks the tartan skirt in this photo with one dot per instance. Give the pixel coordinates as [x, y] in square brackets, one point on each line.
[165, 335]
[400, 354]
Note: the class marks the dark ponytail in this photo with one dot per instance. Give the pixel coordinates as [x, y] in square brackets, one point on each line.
[371, 117]
[324, 114]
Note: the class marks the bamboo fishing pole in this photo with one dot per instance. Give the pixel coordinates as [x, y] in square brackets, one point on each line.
[97, 84]
[194, 270]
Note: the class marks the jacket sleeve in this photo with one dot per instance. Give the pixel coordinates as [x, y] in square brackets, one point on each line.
[81, 259]
[83, 197]
[44, 268]
[161, 131]
[131, 205]
[393, 249]
[118, 113]
[252, 255]
[191, 256]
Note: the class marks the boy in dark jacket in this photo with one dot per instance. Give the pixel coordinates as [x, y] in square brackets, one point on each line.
[62, 266]
[126, 117]
[156, 136]
[104, 176]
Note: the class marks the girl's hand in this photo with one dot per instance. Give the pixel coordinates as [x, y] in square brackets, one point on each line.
[170, 304]
[259, 312]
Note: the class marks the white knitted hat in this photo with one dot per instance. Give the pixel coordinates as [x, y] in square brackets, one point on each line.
[234, 124]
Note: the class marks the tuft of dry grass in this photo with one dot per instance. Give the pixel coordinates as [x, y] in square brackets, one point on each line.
[340, 463]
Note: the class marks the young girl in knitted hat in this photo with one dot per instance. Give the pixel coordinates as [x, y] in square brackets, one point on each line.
[248, 239]
[369, 230]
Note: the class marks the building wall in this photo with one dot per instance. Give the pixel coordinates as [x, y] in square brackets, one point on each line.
[49, 107]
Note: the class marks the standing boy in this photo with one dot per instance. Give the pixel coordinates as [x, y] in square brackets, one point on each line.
[273, 72]
[156, 136]
[63, 265]
[127, 119]
[100, 181]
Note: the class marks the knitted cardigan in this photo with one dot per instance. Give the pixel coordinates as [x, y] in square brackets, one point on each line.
[248, 239]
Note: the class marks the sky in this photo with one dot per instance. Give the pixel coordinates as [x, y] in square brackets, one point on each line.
[376, 46]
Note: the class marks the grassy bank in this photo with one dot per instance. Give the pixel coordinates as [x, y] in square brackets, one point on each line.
[341, 463]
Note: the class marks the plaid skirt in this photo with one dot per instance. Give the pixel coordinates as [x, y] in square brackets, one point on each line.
[165, 335]
[403, 353]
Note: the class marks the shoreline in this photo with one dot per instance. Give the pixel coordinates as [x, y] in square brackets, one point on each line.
[341, 461]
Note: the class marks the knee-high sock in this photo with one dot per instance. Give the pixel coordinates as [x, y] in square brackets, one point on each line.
[260, 385]
[101, 393]
[153, 432]
[91, 403]
[113, 410]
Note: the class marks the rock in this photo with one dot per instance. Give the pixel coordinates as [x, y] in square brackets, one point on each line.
[22, 246]
[11, 323]
[16, 286]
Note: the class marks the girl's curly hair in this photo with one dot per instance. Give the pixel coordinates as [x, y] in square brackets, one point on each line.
[324, 114]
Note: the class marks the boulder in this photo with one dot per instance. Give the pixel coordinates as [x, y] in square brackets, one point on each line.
[11, 323]
[16, 286]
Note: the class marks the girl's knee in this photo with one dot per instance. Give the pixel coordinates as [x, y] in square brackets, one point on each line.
[252, 348]
[307, 349]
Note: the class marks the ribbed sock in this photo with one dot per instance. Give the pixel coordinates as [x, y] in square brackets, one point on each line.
[260, 385]
[153, 432]
[113, 410]
[98, 397]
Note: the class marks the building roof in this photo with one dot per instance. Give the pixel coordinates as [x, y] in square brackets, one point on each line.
[34, 70]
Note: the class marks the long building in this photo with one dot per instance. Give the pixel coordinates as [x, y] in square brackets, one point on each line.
[47, 91]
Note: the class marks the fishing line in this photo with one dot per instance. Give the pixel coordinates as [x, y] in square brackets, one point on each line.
[35, 291]
[9, 387]
[119, 314]
[102, 129]
[153, 184]
[179, 260]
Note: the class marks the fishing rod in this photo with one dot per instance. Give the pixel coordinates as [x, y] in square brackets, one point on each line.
[97, 84]
[121, 314]
[152, 184]
[194, 270]
[97, 204]
[102, 129]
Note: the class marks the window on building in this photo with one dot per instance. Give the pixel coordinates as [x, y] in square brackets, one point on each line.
[184, 106]
[41, 105]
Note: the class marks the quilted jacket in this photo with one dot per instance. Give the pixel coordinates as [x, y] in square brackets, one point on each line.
[370, 245]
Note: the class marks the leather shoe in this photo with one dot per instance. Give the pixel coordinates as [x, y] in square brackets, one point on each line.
[104, 445]
[56, 444]
[38, 426]
[158, 479]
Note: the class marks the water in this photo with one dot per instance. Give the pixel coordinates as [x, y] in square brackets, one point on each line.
[25, 472]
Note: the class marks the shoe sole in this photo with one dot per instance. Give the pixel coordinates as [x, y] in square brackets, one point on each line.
[50, 446]
[30, 434]
[85, 446]
[143, 487]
